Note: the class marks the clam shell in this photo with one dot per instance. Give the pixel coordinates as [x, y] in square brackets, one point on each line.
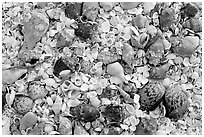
[22, 104]
[115, 69]
[193, 24]
[28, 120]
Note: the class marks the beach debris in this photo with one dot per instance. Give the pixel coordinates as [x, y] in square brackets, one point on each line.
[28, 120]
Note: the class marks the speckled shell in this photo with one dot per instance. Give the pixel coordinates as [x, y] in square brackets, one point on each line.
[84, 112]
[166, 19]
[151, 95]
[22, 104]
[193, 24]
[159, 73]
[113, 113]
[36, 90]
[155, 52]
[176, 102]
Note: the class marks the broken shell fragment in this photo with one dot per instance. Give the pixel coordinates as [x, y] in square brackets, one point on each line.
[113, 113]
[188, 46]
[65, 126]
[159, 72]
[28, 120]
[73, 10]
[59, 66]
[85, 112]
[190, 10]
[129, 5]
[90, 10]
[193, 24]
[107, 6]
[36, 90]
[128, 53]
[22, 104]
[79, 129]
[140, 21]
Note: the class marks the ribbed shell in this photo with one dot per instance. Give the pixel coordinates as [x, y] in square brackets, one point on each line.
[176, 103]
[151, 95]
[193, 24]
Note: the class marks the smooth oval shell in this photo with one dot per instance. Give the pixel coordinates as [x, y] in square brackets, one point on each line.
[193, 24]
[84, 112]
[151, 95]
[176, 102]
[28, 120]
[22, 104]
[35, 90]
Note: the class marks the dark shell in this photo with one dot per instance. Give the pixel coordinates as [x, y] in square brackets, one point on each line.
[108, 93]
[36, 90]
[193, 24]
[73, 10]
[113, 113]
[190, 10]
[158, 73]
[84, 112]
[176, 103]
[85, 30]
[22, 104]
[166, 19]
[155, 53]
[129, 5]
[59, 66]
[146, 127]
[151, 95]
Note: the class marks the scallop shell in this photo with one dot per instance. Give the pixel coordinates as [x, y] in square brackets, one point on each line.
[22, 104]
[193, 24]
[151, 95]
[36, 90]
[176, 102]
[28, 120]
[65, 126]
[85, 112]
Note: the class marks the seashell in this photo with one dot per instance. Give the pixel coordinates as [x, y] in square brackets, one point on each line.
[73, 10]
[36, 90]
[147, 126]
[65, 126]
[107, 6]
[140, 21]
[113, 113]
[90, 10]
[129, 5]
[56, 107]
[187, 47]
[193, 24]
[128, 53]
[48, 128]
[166, 19]
[95, 101]
[22, 104]
[148, 6]
[105, 26]
[11, 75]
[116, 70]
[155, 52]
[112, 130]
[73, 102]
[157, 73]
[85, 112]
[190, 10]
[79, 129]
[176, 102]
[151, 95]
[59, 66]
[10, 97]
[28, 120]
[68, 85]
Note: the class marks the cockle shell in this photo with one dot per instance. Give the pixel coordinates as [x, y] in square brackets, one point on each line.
[151, 95]
[176, 102]
[28, 120]
[188, 46]
[193, 24]
[22, 104]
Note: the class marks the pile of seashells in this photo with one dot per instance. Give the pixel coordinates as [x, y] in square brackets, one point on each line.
[102, 68]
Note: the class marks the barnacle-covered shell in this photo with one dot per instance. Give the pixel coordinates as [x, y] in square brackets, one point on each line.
[190, 10]
[166, 19]
[147, 126]
[22, 104]
[73, 10]
[159, 72]
[151, 95]
[28, 120]
[176, 102]
[65, 126]
[188, 46]
[155, 52]
[85, 112]
[113, 113]
[129, 5]
[193, 24]
[36, 90]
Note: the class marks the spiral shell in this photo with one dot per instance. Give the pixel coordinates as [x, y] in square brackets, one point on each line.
[176, 102]
[151, 95]
[193, 24]
[22, 104]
